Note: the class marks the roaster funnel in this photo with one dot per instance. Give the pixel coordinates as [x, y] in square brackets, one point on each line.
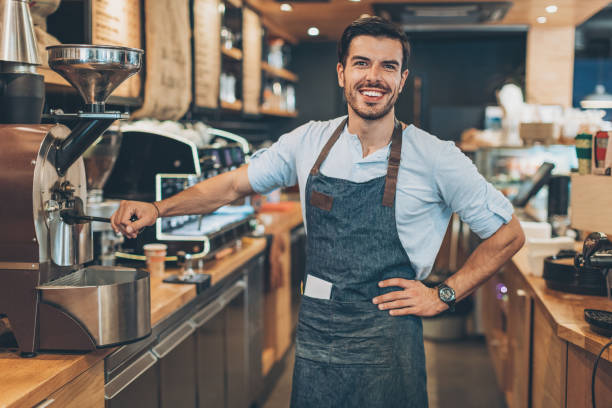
[94, 70]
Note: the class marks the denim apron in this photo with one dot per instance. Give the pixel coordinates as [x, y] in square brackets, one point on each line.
[348, 352]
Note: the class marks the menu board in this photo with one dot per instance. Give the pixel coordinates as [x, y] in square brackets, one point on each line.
[251, 63]
[207, 52]
[117, 22]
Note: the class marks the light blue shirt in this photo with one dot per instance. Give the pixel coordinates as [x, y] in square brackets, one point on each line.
[435, 179]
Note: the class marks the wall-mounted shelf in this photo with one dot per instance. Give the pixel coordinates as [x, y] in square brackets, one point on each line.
[234, 106]
[279, 72]
[233, 53]
[591, 201]
[277, 112]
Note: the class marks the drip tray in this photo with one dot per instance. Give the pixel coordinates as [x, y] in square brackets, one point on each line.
[111, 303]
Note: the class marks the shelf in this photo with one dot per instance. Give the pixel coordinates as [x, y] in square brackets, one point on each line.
[233, 53]
[591, 200]
[277, 112]
[234, 106]
[279, 72]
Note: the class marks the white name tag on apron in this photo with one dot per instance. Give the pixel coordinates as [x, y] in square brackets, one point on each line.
[317, 288]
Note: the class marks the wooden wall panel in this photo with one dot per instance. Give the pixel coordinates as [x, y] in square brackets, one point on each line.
[207, 52]
[118, 22]
[251, 63]
[550, 65]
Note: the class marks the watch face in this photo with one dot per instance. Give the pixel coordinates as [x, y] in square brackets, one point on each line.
[447, 294]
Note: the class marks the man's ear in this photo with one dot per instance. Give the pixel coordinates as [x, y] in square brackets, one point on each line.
[404, 77]
[340, 71]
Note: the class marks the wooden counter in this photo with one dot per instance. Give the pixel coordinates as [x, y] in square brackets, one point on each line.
[279, 219]
[542, 349]
[26, 382]
[565, 311]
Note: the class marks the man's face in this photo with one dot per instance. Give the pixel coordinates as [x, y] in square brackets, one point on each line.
[372, 77]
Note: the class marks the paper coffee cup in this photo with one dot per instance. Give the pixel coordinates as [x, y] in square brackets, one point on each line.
[156, 258]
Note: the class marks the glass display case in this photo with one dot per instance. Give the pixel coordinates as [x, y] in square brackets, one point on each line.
[509, 168]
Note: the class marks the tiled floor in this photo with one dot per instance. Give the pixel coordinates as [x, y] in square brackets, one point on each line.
[459, 375]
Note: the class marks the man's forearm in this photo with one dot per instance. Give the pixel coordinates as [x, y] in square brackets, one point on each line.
[208, 195]
[488, 257]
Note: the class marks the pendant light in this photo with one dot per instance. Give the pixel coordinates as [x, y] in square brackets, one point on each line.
[599, 99]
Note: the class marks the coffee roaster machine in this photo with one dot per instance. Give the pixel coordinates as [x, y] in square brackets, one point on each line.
[154, 163]
[51, 299]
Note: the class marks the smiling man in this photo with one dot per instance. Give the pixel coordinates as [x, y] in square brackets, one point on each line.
[377, 196]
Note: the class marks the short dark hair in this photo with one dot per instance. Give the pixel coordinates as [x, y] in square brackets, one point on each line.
[375, 27]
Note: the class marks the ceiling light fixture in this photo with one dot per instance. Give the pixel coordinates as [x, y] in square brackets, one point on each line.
[313, 31]
[354, 1]
[286, 7]
[541, 19]
[552, 9]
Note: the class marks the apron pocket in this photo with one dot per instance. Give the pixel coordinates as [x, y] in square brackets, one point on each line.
[344, 333]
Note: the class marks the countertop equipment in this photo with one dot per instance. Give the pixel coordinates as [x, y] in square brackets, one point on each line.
[50, 299]
[597, 253]
[155, 163]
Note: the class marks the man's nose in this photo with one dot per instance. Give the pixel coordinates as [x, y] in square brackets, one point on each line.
[374, 72]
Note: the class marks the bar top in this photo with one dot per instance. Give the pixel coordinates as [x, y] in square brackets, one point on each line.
[26, 382]
[565, 311]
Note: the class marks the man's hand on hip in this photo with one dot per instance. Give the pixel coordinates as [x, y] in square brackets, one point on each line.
[415, 299]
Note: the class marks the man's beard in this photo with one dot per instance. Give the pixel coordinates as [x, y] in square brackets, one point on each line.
[370, 114]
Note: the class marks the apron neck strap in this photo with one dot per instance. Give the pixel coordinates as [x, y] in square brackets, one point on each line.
[395, 155]
[330, 143]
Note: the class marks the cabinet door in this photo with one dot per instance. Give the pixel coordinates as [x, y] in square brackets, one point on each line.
[549, 363]
[136, 386]
[519, 337]
[254, 295]
[579, 376]
[210, 355]
[177, 368]
[236, 346]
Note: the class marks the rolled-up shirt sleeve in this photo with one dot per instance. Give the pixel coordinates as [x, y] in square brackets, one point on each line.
[467, 193]
[275, 166]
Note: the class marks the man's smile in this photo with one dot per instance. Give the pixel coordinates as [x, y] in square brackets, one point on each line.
[372, 94]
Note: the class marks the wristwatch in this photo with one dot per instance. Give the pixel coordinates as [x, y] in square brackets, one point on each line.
[447, 295]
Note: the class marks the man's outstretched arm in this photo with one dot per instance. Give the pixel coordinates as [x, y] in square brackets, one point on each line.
[203, 198]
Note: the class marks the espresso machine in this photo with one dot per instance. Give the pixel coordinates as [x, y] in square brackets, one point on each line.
[51, 300]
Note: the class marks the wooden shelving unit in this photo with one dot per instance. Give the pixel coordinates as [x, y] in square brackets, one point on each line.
[277, 112]
[279, 72]
[234, 106]
[233, 53]
[591, 201]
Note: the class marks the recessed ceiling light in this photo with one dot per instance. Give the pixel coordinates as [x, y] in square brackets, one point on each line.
[541, 20]
[286, 7]
[313, 31]
[552, 9]
[355, 1]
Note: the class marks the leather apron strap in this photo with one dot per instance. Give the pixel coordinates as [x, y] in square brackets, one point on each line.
[395, 155]
[393, 166]
[330, 143]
